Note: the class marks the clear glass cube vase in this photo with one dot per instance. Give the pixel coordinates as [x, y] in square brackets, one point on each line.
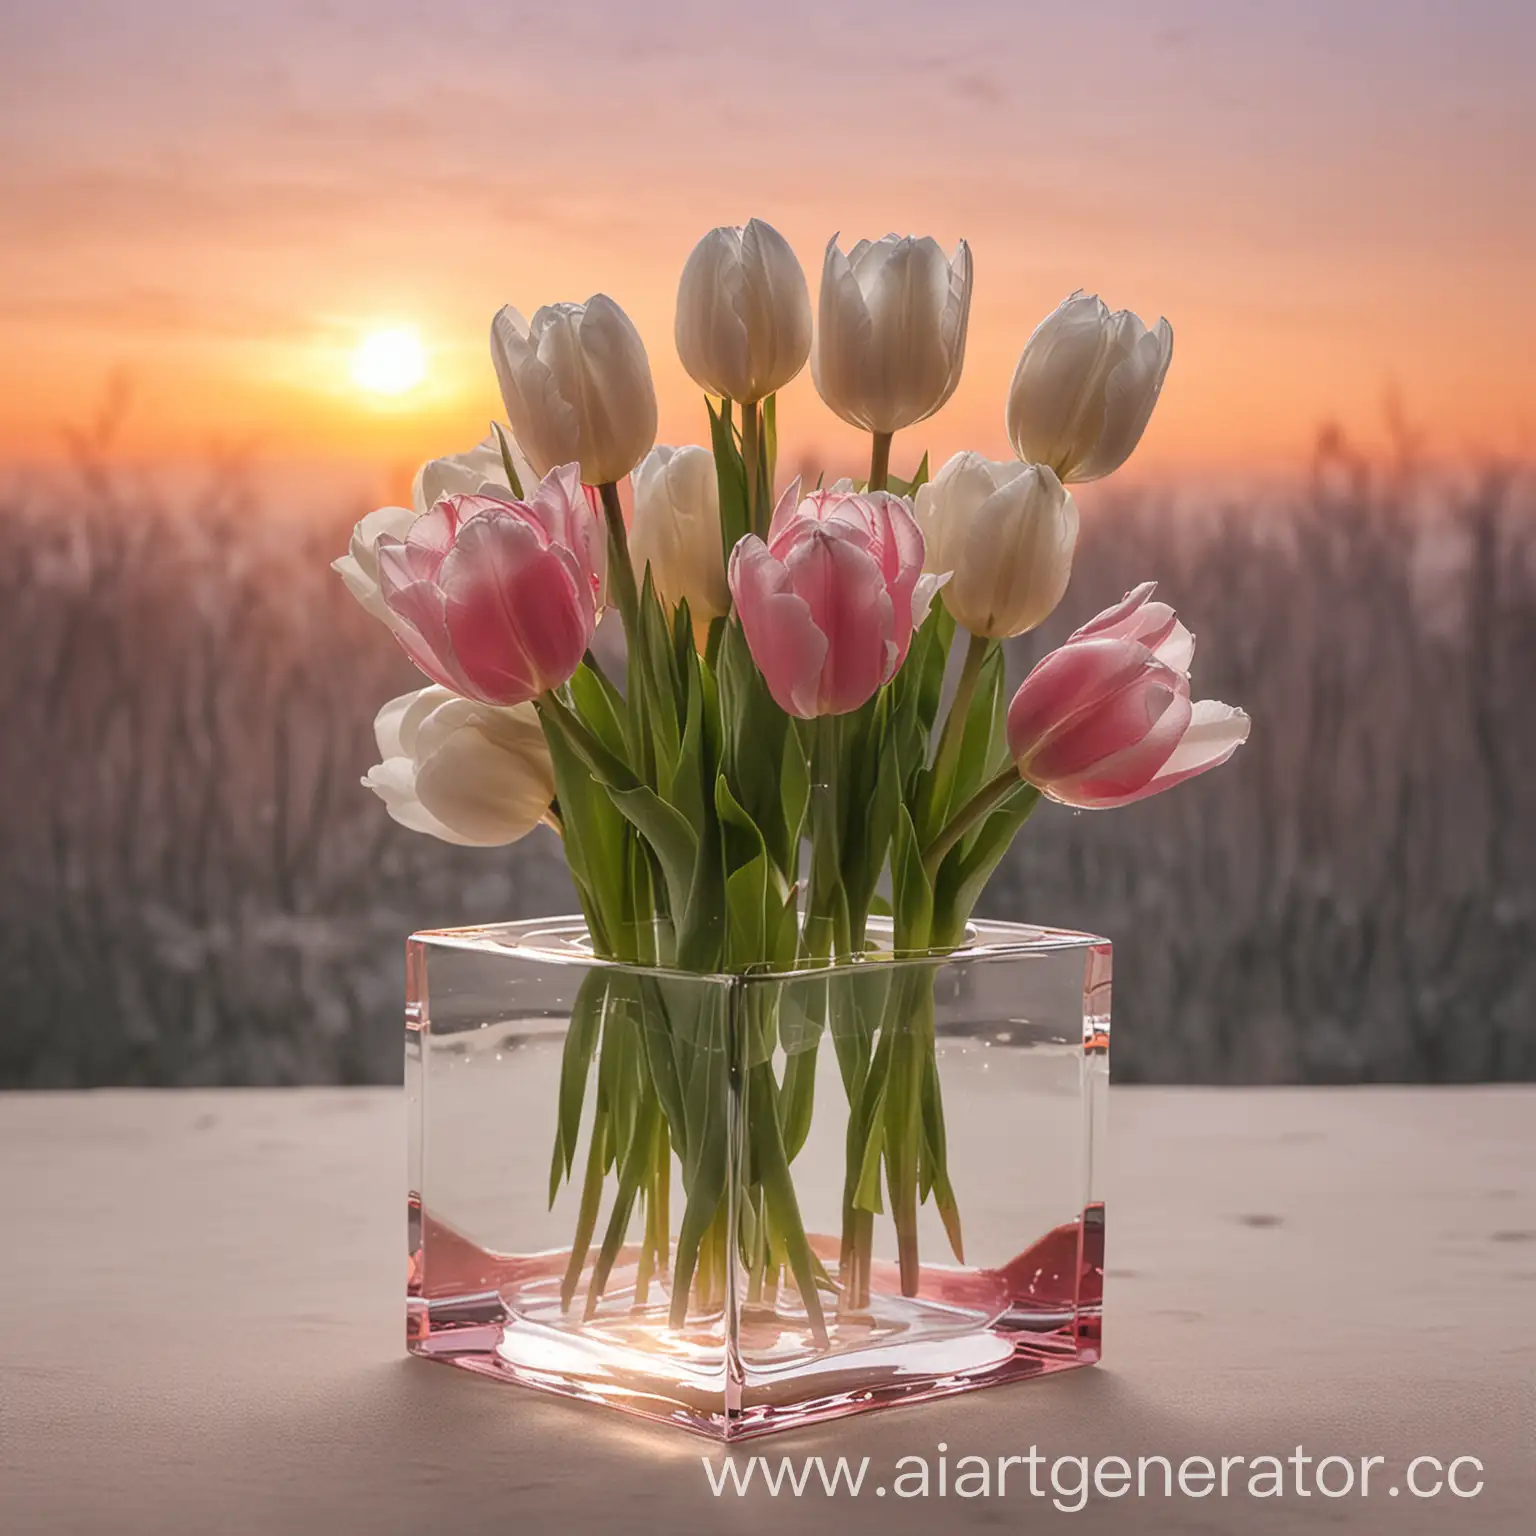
[739, 1203]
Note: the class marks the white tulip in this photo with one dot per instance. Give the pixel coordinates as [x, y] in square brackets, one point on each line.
[464, 772]
[461, 474]
[1006, 533]
[891, 337]
[577, 387]
[480, 469]
[1085, 387]
[676, 530]
[743, 313]
[359, 567]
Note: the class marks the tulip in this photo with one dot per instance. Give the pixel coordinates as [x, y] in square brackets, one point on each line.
[494, 598]
[743, 313]
[1106, 719]
[676, 530]
[1085, 387]
[461, 771]
[829, 602]
[577, 387]
[359, 567]
[891, 338]
[1005, 532]
[480, 469]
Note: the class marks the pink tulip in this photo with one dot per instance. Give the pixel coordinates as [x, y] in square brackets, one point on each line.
[829, 603]
[495, 598]
[1107, 718]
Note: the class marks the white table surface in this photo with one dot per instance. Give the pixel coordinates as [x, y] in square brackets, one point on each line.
[201, 1331]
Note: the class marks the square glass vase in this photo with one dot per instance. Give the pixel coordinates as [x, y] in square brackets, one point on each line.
[740, 1203]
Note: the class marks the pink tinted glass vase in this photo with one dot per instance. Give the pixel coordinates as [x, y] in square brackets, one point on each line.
[742, 1203]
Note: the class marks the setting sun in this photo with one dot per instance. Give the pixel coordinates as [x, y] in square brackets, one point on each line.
[389, 362]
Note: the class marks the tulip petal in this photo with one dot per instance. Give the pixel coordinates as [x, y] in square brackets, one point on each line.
[416, 617]
[482, 792]
[1115, 619]
[1014, 556]
[544, 422]
[458, 474]
[1055, 403]
[1148, 718]
[1092, 739]
[1155, 625]
[396, 725]
[786, 644]
[394, 782]
[1131, 392]
[784, 509]
[1066, 684]
[850, 606]
[711, 326]
[843, 339]
[519, 614]
[1215, 732]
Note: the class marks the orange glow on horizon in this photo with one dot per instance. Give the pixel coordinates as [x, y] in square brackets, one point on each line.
[1329, 220]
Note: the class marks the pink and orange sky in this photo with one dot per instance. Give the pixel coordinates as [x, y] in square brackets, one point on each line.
[214, 201]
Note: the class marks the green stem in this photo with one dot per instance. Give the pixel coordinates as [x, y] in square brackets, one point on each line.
[975, 810]
[750, 439]
[947, 758]
[880, 461]
[621, 574]
[597, 757]
[827, 924]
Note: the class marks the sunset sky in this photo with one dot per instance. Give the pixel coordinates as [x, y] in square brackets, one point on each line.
[208, 204]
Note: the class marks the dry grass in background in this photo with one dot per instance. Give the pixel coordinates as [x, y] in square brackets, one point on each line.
[197, 889]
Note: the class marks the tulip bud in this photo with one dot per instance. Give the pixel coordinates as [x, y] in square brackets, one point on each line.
[743, 313]
[829, 603]
[1085, 387]
[461, 771]
[494, 598]
[577, 387]
[1106, 719]
[1005, 532]
[676, 530]
[891, 337]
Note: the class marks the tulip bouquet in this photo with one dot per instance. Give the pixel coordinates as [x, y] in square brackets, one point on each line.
[780, 779]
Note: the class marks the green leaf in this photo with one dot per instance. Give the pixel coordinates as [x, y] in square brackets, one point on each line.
[795, 799]
[661, 999]
[672, 840]
[506, 460]
[965, 871]
[633, 1165]
[653, 669]
[575, 1066]
[934, 1157]
[703, 1047]
[599, 705]
[779, 1191]
[594, 839]
[730, 475]
[912, 894]
[591, 1197]
[909, 488]
[982, 729]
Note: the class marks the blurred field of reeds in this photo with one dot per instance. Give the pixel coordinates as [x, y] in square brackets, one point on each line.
[197, 889]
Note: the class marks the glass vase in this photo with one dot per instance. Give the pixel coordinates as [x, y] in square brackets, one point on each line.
[739, 1203]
